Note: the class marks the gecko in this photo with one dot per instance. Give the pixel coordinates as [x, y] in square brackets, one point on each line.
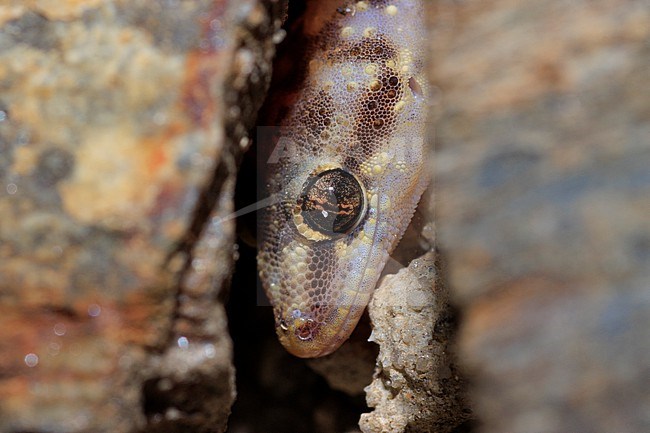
[350, 175]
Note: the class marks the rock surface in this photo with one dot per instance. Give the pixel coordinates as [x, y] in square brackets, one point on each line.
[416, 387]
[120, 126]
[542, 208]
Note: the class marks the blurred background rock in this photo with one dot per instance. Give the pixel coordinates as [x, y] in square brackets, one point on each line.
[542, 169]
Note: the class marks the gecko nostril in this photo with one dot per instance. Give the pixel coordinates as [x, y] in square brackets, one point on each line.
[307, 330]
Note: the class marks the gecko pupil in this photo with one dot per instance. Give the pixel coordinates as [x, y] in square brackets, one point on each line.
[332, 202]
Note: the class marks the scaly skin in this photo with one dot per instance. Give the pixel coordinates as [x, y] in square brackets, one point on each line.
[361, 109]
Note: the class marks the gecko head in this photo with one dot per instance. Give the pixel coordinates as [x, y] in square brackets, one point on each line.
[350, 176]
[311, 319]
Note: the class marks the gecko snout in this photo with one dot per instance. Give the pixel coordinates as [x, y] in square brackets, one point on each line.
[306, 335]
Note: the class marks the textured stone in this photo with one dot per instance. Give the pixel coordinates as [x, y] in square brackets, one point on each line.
[416, 386]
[542, 190]
[120, 126]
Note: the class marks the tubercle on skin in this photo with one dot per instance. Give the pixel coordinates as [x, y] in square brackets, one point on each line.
[361, 110]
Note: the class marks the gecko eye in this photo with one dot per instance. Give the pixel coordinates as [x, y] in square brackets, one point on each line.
[331, 204]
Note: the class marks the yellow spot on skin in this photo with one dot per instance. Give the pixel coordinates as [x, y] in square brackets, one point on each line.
[373, 200]
[346, 71]
[400, 105]
[377, 169]
[352, 86]
[362, 6]
[390, 63]
[371, 69]
[328, 85]
[391, 10]
[375, 85]
[405, 68]
[314, 64]
[369, 32]
[346, 32]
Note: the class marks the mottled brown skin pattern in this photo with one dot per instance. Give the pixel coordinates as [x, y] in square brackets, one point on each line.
[349, 174]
